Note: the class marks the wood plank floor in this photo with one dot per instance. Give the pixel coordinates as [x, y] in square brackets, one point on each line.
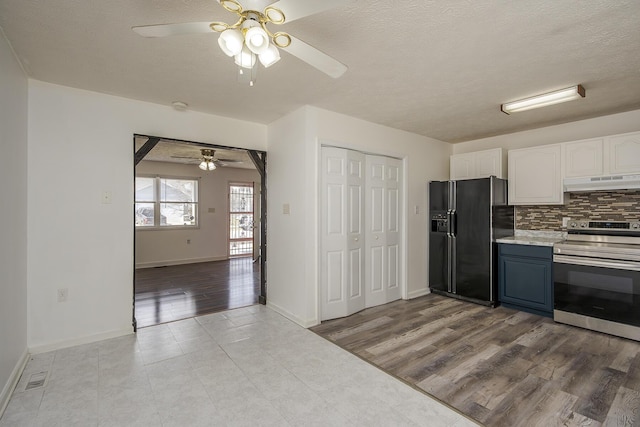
[498, 366]
[165, 294]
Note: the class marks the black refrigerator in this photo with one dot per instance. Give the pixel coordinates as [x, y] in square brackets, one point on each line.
[467, 217]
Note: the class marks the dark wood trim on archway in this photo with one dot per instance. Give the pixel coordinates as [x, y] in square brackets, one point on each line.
[259, 159]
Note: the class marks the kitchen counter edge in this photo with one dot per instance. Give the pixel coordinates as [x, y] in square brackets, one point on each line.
[529, 240]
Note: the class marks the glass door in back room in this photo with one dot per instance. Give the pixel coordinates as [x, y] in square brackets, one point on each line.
[240, 219]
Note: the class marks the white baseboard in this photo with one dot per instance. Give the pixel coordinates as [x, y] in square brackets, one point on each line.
[418, 293]
[7, 391]
[43, 348]
[178, 262]
[304, 323]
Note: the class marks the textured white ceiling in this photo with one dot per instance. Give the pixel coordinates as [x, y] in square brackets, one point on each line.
[436, 68]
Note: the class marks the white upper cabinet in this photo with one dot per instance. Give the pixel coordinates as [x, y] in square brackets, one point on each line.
[479, 164]
[583, 158]
[611, 155]
[535, 176]
[489, 162]
[622, 154]
[462, 166]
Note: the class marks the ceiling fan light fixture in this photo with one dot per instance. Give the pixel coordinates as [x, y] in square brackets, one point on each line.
[269, 56]
[231, 5]
[218, 27]
[274, 15]
[207, 163]
[257, 40]
[251, 31]
[231, 41]
[281, 39]
[246, 58]
[544, 100]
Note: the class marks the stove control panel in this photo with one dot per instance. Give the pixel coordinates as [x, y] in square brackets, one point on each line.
[593, 225]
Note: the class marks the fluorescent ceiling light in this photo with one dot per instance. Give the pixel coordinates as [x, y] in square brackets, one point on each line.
[551, 98]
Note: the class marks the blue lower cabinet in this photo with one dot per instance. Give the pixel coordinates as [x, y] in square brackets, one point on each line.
[525, 279]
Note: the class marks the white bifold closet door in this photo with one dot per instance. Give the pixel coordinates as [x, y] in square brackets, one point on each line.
[342, 241]
[360, 231]
[382, 235]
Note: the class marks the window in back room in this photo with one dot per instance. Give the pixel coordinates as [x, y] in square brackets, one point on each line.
[166, 202]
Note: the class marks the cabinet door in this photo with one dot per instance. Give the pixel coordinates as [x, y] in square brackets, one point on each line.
[526, 282]
[462, 166]
[624, 153]
[535, 176]
[583, 158]
[488, 163]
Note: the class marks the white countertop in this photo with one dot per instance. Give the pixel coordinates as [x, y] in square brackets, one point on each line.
[534, 241]
[534, 238]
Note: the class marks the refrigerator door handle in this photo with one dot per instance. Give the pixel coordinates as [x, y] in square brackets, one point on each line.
[449, 264]
[452, 223]
[453, 264]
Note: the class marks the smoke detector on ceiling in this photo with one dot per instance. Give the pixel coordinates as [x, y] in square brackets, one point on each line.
[179, 105]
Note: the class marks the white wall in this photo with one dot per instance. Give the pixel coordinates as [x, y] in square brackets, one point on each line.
[13, 223]
[287, 289]
[81, 144]
[208, 242]
[583, 129]
[294, 144]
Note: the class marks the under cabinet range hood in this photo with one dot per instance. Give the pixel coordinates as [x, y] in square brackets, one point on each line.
[601, 183]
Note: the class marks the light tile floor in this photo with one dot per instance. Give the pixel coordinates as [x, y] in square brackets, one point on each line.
[244, 367]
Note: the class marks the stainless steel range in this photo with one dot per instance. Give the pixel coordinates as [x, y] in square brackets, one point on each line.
[597, 277]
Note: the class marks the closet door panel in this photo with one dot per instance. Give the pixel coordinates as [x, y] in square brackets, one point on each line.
[361, 226]
[342, 249]
[393, 228]
[375, 219]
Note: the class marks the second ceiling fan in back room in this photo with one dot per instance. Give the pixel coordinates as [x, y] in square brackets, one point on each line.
[207, 161]
[249, 39]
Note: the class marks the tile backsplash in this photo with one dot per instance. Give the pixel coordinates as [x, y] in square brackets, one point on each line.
[621, 205]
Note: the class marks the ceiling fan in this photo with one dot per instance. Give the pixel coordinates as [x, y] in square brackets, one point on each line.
[249, 38]
[207, 161]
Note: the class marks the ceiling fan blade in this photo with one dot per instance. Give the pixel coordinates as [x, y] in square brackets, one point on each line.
[257, 5]
[296, 9]
[164, 30]
[228, 161]
[315, 58]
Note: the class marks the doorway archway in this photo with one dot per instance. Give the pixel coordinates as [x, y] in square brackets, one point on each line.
[153, 148]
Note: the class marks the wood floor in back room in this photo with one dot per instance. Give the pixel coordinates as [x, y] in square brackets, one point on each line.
[166, 294]
[498, 366]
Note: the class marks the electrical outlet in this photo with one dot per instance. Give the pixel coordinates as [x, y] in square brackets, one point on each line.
[565, 221]
[188, 241]
[286, 209]
[63, 294]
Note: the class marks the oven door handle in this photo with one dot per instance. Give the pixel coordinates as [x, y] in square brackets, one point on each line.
[590, 262]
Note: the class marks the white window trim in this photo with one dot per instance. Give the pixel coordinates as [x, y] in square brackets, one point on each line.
[156, 202]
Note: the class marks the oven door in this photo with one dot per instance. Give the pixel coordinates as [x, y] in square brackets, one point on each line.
[596, 287]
